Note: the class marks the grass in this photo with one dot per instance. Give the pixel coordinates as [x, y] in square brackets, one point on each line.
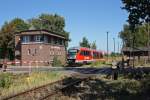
[22, 82]
[98, 64]
[105, 63]
[100, 87]
[126, 86]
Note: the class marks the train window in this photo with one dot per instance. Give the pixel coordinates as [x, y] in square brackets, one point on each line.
[82, 53]
[72, 51]
[85, 53]
[101, 56]
[95, 55]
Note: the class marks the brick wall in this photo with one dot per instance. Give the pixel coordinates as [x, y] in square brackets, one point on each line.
[42, 52]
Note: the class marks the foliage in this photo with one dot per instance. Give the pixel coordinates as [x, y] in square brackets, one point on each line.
[5, 80]
[7, 33]
[54, 23]
[85, 43]
[56, 62]
[93, 45]
[114, 54]
[138, 11]
[10, 54]
[145, 88]
[22, 82]
[141, 37]
[123, 86]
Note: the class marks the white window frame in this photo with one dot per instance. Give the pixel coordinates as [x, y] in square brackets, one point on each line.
[25, 39]
[38, 38]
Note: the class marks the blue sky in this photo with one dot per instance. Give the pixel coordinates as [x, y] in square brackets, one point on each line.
[90, 18]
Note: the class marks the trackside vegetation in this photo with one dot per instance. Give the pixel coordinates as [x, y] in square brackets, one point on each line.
[15, 83]
[127, 86]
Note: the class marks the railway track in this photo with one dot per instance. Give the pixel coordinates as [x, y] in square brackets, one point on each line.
[48, 90]
[53, 89]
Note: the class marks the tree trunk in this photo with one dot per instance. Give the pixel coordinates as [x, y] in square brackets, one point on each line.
[5, 61]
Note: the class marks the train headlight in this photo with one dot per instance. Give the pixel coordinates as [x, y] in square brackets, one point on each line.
[75, 56]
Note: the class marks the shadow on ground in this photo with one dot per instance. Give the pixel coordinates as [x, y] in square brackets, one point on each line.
[97, 89]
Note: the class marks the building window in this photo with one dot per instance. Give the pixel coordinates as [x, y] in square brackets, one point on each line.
[25, 39]
[49, 39]
[63, 42]
[51, 53]
[46, 39]
[38, 38]
[35, 51]
[29, 51]
[32, 39]
[60, 42]
[55, 40]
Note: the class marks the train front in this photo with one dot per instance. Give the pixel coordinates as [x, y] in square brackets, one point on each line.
[72, 53]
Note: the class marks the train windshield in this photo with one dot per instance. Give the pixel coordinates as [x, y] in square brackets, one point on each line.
[72, 52]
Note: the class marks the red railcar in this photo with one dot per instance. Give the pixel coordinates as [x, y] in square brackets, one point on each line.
[83, 55]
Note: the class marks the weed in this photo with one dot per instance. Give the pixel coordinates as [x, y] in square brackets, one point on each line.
[56, 62]
[13, 84]
[5, 80]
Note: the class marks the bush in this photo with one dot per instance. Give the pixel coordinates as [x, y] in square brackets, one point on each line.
[97, 63]
[56, 62]
[126, 86]
[5, 80]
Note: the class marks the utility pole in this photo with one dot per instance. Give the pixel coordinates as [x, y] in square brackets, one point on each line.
[107, 47]
[118, 47]
[148, 42]
[114, 45]
[133, 48]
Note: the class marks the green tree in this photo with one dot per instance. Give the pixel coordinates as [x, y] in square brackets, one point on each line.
[85, 43]
[93, 45]
[138, 11]
[7, 33]
[126, 35]
[141, 37]
[54, 23]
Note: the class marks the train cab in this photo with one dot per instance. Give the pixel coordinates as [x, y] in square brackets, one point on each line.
[72, 54]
